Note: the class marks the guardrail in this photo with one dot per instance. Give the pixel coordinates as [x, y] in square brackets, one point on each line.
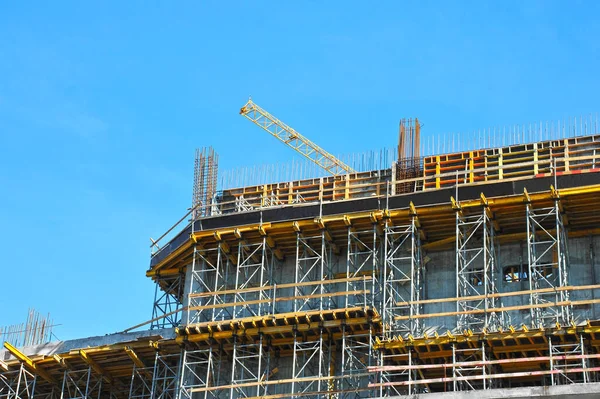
[576, 155]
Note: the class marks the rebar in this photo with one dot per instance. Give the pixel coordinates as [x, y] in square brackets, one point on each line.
[36, 330]
[206, 166]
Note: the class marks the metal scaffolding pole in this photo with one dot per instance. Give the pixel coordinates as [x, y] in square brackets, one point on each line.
[565, 359]
[81, 384]
[313, 264]
[251, 367]
[469, 370]
[255, 267]
[141, 383]
[548, 266]
[165, 379]
[475, 272]
[42, 395]
[18, 384]
[311, 366]
[200, 370]
[402, 279]
[388, 377]
[361, 260]
[357, 356]
[168, 295]
[209, 275]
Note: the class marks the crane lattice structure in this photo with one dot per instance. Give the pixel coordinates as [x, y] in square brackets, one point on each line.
[294, 140]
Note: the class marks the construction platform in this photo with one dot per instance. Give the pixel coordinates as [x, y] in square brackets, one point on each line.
[479, 274]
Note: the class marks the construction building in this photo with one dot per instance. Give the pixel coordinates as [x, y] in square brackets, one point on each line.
[434, 276]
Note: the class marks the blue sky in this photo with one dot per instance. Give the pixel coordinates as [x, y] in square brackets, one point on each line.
[102, 105]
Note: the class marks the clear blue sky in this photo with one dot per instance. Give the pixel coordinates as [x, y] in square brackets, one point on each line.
[101, 107]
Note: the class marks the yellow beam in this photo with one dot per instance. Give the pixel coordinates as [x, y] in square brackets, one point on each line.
[29, 363]
[412, 211]
[137, 361]
[455, 204]
[425, 211]
[526, 195]
[134, 357]
[511, 237]
[440, 243]
[276, 330]
[61, 361]
[349, 217]
[95, 366]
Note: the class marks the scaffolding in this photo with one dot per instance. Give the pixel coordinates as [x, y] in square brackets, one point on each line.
[569, 362]
[357, 355]
[311, 371]
[294, 306]
[402, 279]
[200, 370]
[318, 300]
[165, 376]
[548, 265]
[207, 297]
[469, 368]
[168, 296]
[255, 269]
[251, 366]
[81, 384]
[476, 271]
[19, 383]
[313, 267]
[140, 386]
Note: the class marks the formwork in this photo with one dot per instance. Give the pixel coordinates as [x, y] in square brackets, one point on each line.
[478, 273]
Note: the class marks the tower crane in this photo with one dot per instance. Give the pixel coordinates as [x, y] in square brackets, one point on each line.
[294, 140]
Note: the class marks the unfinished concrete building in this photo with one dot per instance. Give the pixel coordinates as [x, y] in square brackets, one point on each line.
[469, 271]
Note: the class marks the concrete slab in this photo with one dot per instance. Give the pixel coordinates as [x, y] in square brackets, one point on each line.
[52, 348]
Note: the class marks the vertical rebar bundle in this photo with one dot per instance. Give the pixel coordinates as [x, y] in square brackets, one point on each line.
[409, 139]
[408, 165]
[36, 330]
[206, 168]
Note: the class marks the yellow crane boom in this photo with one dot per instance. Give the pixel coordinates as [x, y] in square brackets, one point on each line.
[293, 139]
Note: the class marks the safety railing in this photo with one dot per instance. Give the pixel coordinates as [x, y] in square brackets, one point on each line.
[574, 155]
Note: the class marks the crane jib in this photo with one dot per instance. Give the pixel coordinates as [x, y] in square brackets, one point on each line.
[294, 140]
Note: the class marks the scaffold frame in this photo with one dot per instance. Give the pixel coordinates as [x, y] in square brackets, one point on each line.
[476, 272]
[201, 370]
[547, 253]
[255, 269]
[357, 355]
[250, 368]
[167, 301]
[210, 270]
[362, 258]
[18, 383]
[313, 255]
[81, 384]
[311, 371]
[141, 382]
[402, 276]
[165, 380]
